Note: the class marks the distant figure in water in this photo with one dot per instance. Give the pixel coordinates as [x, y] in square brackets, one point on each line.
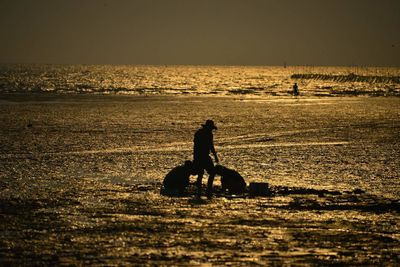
[231, 180]
[177, 180]
[203, 145]
[295, 89]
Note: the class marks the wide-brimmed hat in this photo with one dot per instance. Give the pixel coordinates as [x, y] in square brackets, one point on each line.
[210, 124]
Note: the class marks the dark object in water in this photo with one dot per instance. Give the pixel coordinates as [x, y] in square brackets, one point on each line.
[259, 189]
[177, 180]
[358, 191]
[351, 77]
[231, 180]
[295, 89]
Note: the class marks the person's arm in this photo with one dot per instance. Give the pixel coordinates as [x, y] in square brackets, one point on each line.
[213, 150]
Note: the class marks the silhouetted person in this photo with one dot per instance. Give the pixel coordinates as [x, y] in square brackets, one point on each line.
[203, 145]
[231, 180]
[177, 180]
[295, 89]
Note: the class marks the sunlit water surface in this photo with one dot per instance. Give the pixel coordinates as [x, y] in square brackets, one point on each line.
[81, 173]
[203, 80]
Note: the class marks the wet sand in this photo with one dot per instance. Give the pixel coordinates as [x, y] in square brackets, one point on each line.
[80, 180]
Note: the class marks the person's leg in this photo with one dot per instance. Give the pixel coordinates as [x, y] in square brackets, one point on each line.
[211, 172]
[210, 185]
[199, 170]
[199, 180]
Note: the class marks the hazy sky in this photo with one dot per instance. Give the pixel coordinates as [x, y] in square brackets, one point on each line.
[222, 32]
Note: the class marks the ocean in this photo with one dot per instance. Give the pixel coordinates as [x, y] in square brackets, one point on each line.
[199, 80]
[84, 151]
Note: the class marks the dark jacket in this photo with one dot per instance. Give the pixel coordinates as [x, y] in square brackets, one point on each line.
[203, 143]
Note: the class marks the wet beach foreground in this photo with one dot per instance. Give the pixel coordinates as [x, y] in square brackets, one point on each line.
[80, 181]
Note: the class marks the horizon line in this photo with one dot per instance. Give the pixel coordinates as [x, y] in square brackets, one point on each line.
[197, 65]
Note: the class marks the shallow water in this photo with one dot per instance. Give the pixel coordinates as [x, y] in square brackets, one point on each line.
[262, 81]
[81, 184]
